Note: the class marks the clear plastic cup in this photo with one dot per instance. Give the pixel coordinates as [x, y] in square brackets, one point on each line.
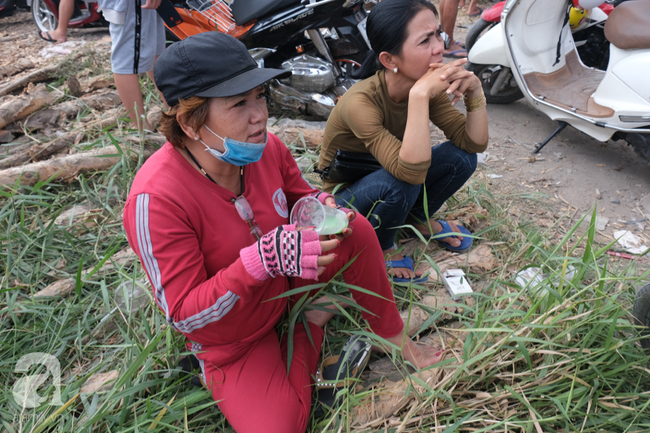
[309, 212]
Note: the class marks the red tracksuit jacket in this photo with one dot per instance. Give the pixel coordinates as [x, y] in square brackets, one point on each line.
[188, 235]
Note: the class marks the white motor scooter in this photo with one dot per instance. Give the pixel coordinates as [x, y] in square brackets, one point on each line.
[531, 50]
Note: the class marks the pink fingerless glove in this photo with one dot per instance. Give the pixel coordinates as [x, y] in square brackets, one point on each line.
[283, 251]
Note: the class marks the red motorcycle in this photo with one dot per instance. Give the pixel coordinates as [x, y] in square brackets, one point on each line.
[46, 14]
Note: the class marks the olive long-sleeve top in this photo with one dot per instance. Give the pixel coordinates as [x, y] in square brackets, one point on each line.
[367, 120]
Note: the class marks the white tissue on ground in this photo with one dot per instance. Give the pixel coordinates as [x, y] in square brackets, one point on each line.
[630, 242]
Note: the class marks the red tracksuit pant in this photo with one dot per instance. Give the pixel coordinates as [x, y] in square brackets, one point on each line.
[255, 393]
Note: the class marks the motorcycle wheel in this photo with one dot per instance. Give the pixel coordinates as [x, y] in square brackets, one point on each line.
[43, 17]
[476, 31]
[488, 74]
[641, 313]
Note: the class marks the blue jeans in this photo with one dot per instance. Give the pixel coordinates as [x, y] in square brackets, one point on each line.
[387, 201]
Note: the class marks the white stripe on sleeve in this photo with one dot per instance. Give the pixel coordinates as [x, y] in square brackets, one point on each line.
[212, 314]
[146, 251]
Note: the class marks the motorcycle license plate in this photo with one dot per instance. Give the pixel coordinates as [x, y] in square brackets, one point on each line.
[362, 28]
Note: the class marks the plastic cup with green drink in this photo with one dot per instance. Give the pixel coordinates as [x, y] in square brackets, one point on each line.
[310, 212]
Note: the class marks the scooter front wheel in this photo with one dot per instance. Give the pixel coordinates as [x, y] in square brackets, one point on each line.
[499, 86]
[44, 18]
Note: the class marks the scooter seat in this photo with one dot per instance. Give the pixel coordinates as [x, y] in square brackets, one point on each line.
[627, 26]
[246, 10]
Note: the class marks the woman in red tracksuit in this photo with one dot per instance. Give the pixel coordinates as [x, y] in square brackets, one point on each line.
[208, 216]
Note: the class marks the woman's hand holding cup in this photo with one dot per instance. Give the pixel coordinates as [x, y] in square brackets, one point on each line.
[330, 202]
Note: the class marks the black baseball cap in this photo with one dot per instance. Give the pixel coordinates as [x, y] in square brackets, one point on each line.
[211, 65]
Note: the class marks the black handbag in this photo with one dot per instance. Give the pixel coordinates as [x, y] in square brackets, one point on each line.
[347, 167]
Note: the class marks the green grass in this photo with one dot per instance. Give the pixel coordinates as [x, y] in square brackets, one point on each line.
[563, 358]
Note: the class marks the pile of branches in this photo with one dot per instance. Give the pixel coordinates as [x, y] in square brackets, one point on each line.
[42, 124]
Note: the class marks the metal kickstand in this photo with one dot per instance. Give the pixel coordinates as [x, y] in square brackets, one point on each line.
[560, 126]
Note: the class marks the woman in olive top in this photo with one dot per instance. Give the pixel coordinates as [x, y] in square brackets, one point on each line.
[387, 115]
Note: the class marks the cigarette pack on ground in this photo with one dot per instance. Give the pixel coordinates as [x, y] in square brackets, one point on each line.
[456, 282]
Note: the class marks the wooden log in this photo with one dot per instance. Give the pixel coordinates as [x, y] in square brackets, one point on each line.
[24, 105]
[156, 139]
[100, 382]
[95, 83]
[11, 38]
[42, 151]
[68, 167]
[34, 77]
[154, 114]
[6, 137]
[15, 67]
[73, 85]
[9, 150]
[52, 117]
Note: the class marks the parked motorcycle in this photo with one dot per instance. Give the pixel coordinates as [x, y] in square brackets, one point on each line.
[7, 7]
[322, 42]
[532, 51]
[46, 14]
[587, 27]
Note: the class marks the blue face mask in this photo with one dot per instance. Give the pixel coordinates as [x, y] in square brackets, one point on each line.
[237, 152]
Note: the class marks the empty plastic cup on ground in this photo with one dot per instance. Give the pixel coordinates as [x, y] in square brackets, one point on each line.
[309, 212]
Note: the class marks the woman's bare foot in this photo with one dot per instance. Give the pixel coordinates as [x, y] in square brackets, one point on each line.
[389, 254]
[454, 241]
[419, 355]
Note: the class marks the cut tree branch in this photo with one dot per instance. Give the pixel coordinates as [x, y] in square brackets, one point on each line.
[52, 117]
[69, 166]
[23, 105]
[16, 67]
[42, 151]
[35, 76]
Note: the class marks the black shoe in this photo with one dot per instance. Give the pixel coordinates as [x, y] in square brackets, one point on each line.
[339, 372]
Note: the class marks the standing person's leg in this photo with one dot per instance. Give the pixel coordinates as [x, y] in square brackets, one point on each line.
[450, 169]
[473, 10]
[128, 87]
[255, 393]
[386, 202]
[448, 13]
[66, 9]
[131, 56]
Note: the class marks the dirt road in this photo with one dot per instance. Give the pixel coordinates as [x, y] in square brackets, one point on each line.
[573, 167]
